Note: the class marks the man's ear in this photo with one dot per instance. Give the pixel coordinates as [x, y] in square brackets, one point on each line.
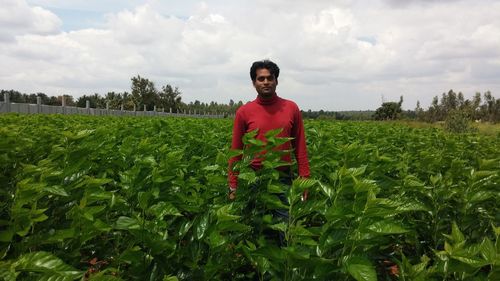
[276, 81]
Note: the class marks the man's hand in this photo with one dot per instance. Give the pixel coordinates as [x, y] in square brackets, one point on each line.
[232, 194]
[305, 195]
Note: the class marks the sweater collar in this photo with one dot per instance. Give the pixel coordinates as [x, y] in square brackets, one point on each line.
[267, 101]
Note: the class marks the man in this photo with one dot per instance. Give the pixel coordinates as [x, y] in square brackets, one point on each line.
[267, 112]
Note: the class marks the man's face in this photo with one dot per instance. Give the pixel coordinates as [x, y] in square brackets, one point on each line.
[265, 83]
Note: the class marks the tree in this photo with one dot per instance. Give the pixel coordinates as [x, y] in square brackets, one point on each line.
[170, 97]
[419, 112]
[389, 110]
[67, 99]
[143, 93]
[95, 101]
[115, 100]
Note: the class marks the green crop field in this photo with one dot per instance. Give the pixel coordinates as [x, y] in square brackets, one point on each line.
[123, 198]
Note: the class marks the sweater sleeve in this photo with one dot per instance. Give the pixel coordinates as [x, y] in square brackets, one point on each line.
[239, 129]
[299, 144]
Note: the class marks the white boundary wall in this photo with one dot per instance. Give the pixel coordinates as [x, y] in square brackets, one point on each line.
[7, 107]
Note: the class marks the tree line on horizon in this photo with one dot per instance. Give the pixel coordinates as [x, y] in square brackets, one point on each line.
[485, 108]
[144, 93]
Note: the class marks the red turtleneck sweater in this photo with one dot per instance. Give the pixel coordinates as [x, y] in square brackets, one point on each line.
[268, 114]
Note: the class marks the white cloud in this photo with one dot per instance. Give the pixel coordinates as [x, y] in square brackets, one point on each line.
[17, 18]
[335, 55]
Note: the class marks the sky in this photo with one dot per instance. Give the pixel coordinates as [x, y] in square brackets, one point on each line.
[333, 55]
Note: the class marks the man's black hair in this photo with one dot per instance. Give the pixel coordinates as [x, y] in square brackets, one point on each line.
[267, 64]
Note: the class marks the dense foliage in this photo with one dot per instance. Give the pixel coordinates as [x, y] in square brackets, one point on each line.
[143, 94]
[486, 109]
[109, 198]
[389, 110]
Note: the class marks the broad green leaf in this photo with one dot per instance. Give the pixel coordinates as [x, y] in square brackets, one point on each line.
[132, 255]
[80, 135]
[56, 190]
[251, 245]
[273, 133]
[364, 185]
[456, 234]
[435, 178]
[185, 227]
[272, 201]
[276, 189]
[59, 235]
[496, 229]
[127, 223]
[249, 176]
[256, 142]
[298, 187]
[211, 168]
[100, 225]
[39, 218]
[298, 230]
[386, 227]
[488, 251]
[412, 181]
[234, 152]
[90, 212]
[143, 199]
[158, 178]
[305, 241]
[233, 226]
[361, 269]
[411, 206]
[489, 164]
[263, 264]
[297, 252]
[250, 135]
[7, 273]
[448, 248]
[475, 262]
[163, 209]
[48, 266]
[216, 239]
[303, 183]
[224, 214]
[94, 182]
[201, 226]
[355, 172]
[327, 190]
[477, 175]
[482, 195]
[279, 226]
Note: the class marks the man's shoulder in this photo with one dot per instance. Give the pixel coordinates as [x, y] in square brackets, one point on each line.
[247, 106]
[290, 103]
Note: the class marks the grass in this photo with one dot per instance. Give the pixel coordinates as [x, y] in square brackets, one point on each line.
[487, 128]
[483, 128]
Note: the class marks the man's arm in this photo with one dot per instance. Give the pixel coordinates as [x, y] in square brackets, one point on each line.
[299, 145]
[300, 148]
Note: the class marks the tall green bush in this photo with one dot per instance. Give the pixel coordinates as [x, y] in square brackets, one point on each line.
[458, 121]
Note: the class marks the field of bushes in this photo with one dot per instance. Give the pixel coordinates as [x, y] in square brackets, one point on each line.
[124, 198]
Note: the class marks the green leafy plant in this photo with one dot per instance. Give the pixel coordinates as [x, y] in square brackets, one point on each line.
[108, 198]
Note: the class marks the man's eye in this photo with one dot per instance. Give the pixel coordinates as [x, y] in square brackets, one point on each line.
[262, 78]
